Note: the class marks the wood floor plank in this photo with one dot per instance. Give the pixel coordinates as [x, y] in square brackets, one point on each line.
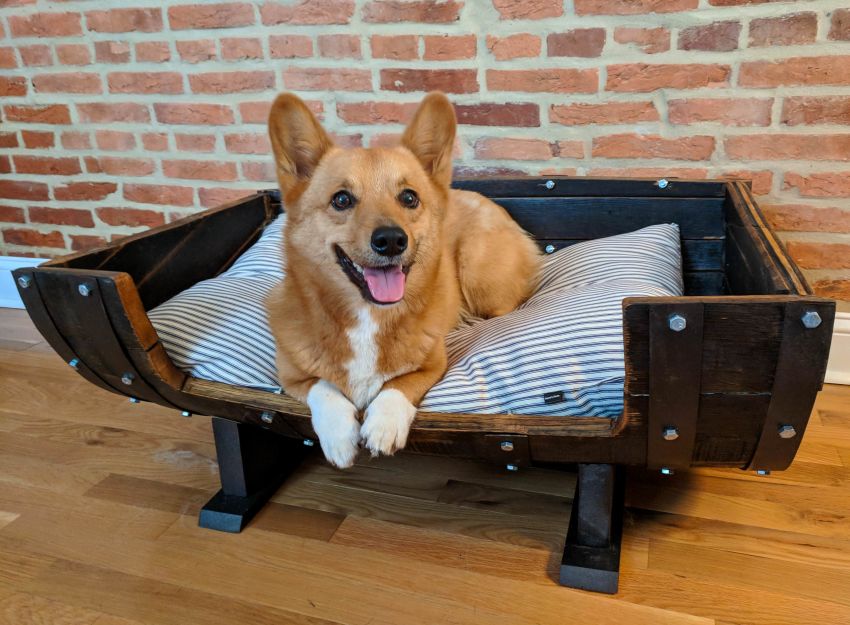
[23, 608]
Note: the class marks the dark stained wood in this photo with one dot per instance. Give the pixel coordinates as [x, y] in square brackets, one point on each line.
[705, 283]
[704, 254]
[587, 186]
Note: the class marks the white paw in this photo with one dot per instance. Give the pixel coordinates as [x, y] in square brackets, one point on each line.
[335, 423]
[387, 422]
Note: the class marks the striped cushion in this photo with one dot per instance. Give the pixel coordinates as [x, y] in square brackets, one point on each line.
[560, 353]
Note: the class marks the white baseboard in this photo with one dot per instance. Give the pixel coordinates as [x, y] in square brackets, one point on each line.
[9, 297]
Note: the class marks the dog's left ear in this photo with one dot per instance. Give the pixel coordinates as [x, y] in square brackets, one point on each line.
[431, 136]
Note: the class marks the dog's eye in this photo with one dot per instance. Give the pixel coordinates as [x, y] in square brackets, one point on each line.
[408, 198]
[342, 200]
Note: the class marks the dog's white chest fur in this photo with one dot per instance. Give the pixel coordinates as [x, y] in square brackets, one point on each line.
[364, 381]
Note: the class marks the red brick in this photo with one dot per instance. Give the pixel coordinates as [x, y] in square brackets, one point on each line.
[159, 194]
[568, 149]
[199, 170]
[696, 148]
[76, 140]
[816, 110]
[152, 52]
[729, 3]
[785, 147]
[231, 82]
[632, 7]
[327, 79]
[99, 112]
[196, 51]
[339, 46]
[119, 166]
[604, 113]
[197, 114]
[807, 218]
[290, 46]
[145, 82]
[13, 85]
[7, 58]
[824, 184]
[45, 25]
[716, 37]
[5, 164]
[497, 148]
[649, 40]
[36, 55]
[237, 49]
[641, 77]
[516, 114]
[195, 143]
[258, 172]
[390, 11]
[448, 80]
[155, 141]
[786, 30]
[18, 190]
[685, 173]
[212, 197]
[449, 47]
[37, 113]
[839, 29]
[519, 46]
[112, 51]
[258, 112]
[88, 191]
[67, 83]
[222, 15]
[34, 238]
[528, 9]
[73, 54]
[727, 111]
[398, 47]
[115, 140]
[761, 182]
[819, 255]
[8, 139]
[37, 139]
[86, 241]
[125, 20]
[61, 216]
[582, 42]
[307, 12]
[544, 80]
[815, 70]
[246, 143]
[12, 214]
[130, 217]
[48, 166]
[836, 289]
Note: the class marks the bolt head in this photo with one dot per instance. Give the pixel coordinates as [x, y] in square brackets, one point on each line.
[84, 289]
[549, 248]
[512, 467]
[267, 417]
[811, 319]
[134, 400]
[666, 471]
[24, 282]
[550, 184]
[677, 323]
[185, 413]
[128, 378]
[506, 446]
[787, 431]
[670, 433]
[662, 184]
[763, 472]
[75, 363]
[309, 443]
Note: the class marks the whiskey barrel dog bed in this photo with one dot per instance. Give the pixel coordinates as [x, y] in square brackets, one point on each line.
[724, 375]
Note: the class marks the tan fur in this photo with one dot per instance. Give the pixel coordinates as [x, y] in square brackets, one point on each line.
[467, 256]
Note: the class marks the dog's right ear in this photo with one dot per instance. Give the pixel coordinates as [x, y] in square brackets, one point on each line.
[298, 140]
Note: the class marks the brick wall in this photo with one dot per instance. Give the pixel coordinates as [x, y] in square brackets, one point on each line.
[122, 115]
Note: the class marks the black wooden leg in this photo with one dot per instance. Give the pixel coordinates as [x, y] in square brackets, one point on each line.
[252, 464]
[592, 552]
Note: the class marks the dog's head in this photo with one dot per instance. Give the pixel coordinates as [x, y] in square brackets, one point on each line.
[368, 219]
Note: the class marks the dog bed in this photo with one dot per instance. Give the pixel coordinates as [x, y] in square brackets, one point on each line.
[561, 352]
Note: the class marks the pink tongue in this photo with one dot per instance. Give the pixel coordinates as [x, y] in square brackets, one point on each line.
[386, 284]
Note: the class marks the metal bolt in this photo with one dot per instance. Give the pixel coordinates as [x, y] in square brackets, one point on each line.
[134, 400]
[677, 323]
[24, 282]
[185, 413]
[549, 248]
[506, 446]
[811, 319]
[512, 467]
[267, 417]
[128, 378]
[670, 433]
[787, 431]
[84, 289]
[550, 184]
[763, 472]
[308, 442]
[666, 471]
[75, 363]
[662, 184]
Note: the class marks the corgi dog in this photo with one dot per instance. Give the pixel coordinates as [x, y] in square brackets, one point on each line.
[382, 261]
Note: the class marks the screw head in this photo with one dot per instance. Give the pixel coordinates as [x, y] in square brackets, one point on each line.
[677, 323]
[549, 248]
[267, 417]
[787, 431]
[185, 413]
[128, 378]
[512, 467]
[811, 319]
[84, 289]
[763, 472]
[550, 184]
[667, 471]
[134, 400]
[24, 282]
[670, 433]
[662, 184]
[309, 443]
[75, 363]
[506, 446]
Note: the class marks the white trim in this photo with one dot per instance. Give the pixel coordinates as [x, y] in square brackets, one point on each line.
[9, 297]
[838, 369]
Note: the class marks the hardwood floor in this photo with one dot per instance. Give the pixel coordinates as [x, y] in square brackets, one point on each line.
[98, 526]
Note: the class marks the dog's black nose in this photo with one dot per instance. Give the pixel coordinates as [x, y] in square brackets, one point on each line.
[389, 240]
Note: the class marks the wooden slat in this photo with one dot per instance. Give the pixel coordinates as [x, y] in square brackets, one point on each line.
[703, 254]
[588, 186]
[701, 283]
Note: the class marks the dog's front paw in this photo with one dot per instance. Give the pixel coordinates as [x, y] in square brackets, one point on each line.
[335, 423]
[387, 422]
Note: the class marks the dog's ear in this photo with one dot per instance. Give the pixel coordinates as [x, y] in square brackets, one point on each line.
[298, 140]
[431, 136]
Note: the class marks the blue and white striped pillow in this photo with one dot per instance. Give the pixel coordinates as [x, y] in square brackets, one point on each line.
[565, 343]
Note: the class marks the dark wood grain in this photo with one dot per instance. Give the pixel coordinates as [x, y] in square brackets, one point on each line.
[704, 254]
[588, 186]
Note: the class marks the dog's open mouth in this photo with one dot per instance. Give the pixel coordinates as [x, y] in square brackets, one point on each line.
[379, 285]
